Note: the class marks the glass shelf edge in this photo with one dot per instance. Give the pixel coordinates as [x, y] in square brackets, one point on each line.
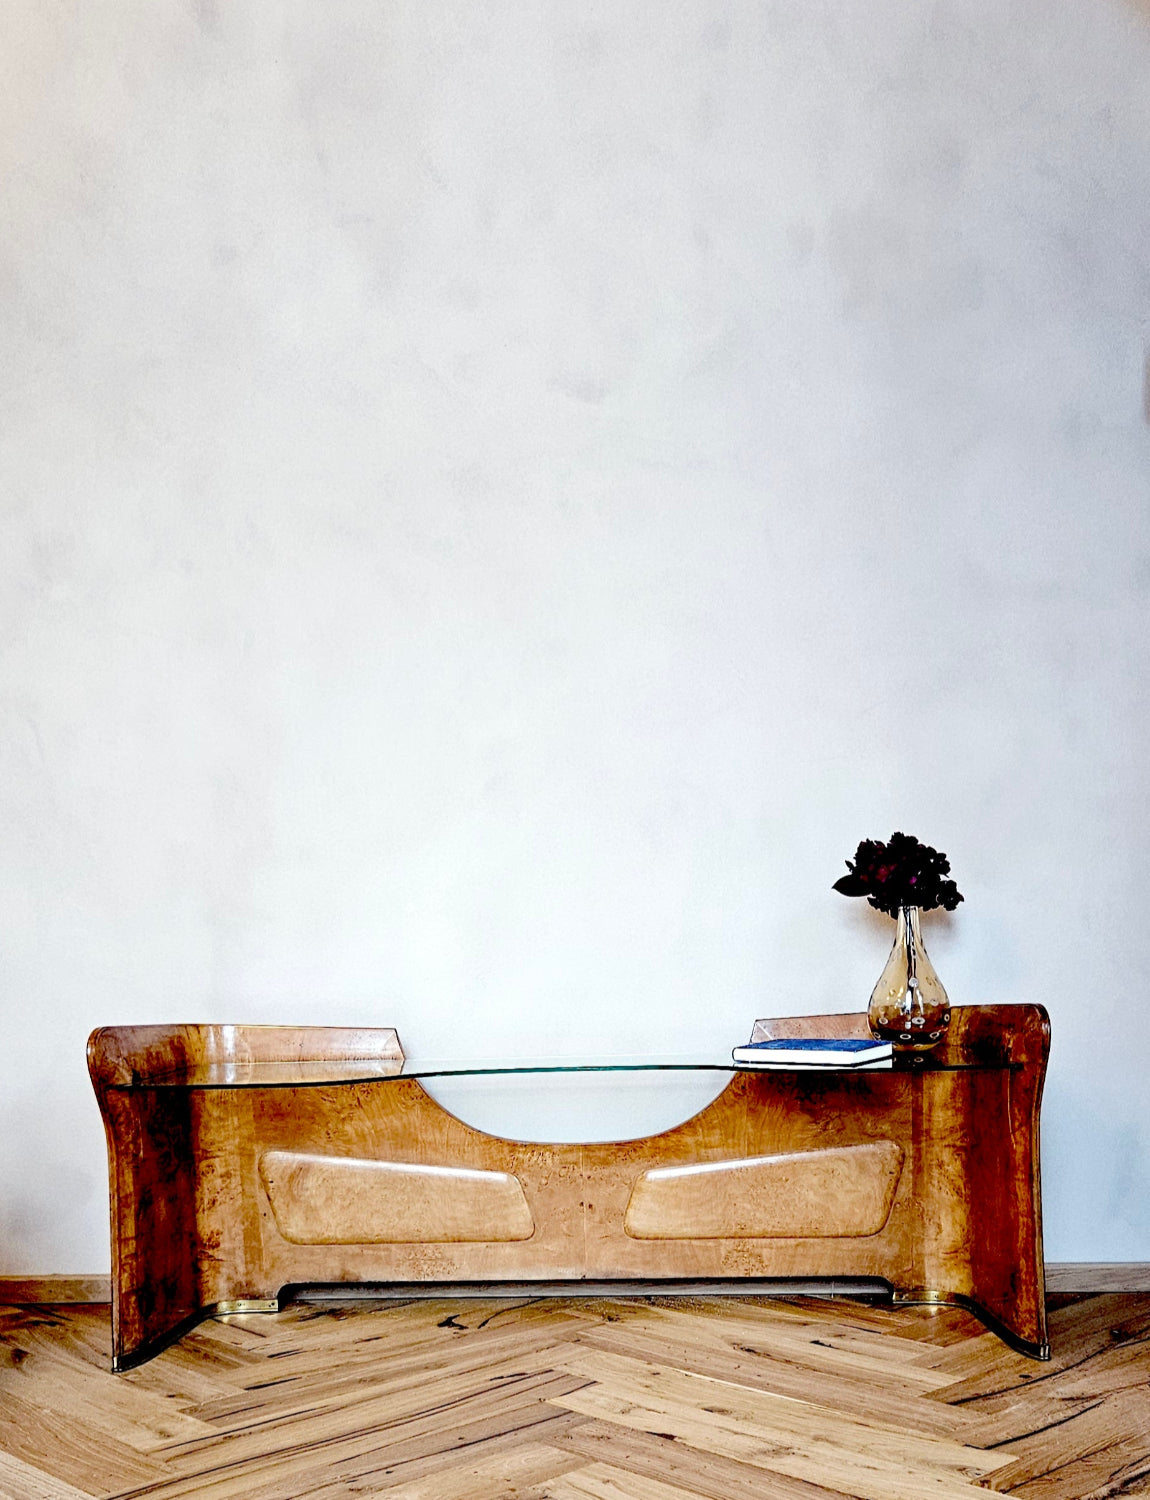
[320, 1073]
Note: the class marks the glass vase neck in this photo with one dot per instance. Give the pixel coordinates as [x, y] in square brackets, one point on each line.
[909, 1006]
[909, 929]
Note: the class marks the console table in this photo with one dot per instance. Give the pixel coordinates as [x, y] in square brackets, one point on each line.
[248, 1160]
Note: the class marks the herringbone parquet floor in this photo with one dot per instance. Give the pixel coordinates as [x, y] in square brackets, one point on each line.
[629, 1399]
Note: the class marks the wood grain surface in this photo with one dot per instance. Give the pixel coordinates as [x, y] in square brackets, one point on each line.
[637, 1398]
[331, 1200]
[827, 1194]
[223, 1192]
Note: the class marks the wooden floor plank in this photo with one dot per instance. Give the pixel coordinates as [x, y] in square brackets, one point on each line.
[649, 1397]
[365, 1468]
[310, 1383]
[874, 1472]
[602, 1482]
[733, 1405]
[259, 1457]
[399, 1384]
[1084, 1452]
[848, 1392]
[80, 1332]
[824, 1347]
[72, 1451]
[21, 1481]
[496, 1451]
[869, 1350]
[501, 1473]
[344, 1432]
[67, 1389]
[706, 1474]
[1078, 1331]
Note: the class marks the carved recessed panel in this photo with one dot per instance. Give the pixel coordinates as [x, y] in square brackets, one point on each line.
[828, 1194]
[331, 1200]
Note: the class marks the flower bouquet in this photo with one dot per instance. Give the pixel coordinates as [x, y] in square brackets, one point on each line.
[904, 878]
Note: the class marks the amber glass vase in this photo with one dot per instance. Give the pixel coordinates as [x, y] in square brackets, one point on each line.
[909, 1005]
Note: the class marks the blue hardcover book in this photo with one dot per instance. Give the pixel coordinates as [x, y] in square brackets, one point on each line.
[814, 1052]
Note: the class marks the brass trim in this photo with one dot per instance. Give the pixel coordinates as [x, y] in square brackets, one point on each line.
[246, 1305]
[928, 1297]
[923, 1296]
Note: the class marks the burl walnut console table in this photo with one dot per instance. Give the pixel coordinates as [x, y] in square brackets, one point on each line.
[248, 1160]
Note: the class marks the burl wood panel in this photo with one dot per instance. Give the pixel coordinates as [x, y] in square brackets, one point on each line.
[828, 1194]
[194, 1218]
[333, 1200]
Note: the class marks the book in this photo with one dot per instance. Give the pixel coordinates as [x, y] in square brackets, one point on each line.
[813, 1051]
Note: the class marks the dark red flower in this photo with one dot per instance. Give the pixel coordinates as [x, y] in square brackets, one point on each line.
[901, 872]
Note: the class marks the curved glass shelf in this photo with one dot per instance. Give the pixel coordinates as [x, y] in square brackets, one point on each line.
[320, 1072]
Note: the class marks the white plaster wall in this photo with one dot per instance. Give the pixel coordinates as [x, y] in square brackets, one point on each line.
[497, 499]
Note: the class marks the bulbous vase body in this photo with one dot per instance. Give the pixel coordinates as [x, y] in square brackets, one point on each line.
[909, 1006]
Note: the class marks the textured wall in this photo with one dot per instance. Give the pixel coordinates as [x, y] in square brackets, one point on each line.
[496, 500]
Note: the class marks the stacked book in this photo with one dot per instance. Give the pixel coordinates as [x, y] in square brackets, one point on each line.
[813, 1052]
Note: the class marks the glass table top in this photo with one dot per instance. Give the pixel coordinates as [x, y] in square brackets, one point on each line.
[319, 1072]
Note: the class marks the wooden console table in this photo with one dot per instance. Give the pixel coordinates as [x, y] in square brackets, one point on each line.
[247, 1160]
